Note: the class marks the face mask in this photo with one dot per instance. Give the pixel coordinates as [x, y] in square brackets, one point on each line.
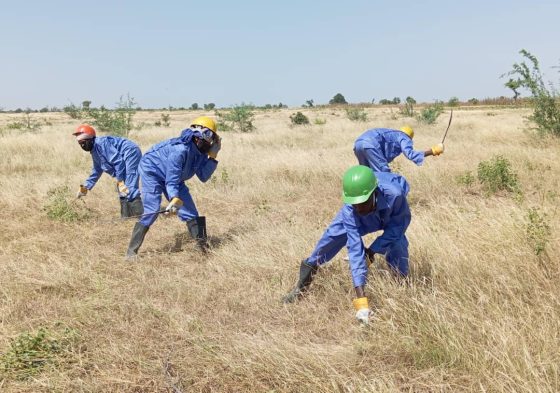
[87, 144]
[202, 145]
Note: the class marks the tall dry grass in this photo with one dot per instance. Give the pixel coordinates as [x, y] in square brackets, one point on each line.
[481, 311]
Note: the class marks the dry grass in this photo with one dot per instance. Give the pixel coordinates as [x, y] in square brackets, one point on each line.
[481, 313]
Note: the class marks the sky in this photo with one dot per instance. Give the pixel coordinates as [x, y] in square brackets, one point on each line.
[263, 52]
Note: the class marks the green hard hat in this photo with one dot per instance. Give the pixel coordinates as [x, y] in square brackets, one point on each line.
[358, 184]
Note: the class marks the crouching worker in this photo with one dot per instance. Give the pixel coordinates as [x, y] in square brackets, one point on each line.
[377, 147]
[373, 202]
[164, 169]
[118, 157]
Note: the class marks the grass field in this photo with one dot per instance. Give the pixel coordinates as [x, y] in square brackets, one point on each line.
[481, 311]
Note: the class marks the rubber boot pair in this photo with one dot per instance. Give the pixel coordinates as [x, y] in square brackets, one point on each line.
[131, 208]
[136, 240]
[306, 274]
[197, 230]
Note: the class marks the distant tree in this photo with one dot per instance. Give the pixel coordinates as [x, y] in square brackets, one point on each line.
[209, 106]
[308, 103]
[410, 100]
[514, 85]
[453, 101]
[194, 106]
[18, 110]
[473, 101]
[338, 99]
[396, 101]
[385, 101]
[86, 104]
[44, 109]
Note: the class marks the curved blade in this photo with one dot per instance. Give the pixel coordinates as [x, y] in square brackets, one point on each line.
[449, 124]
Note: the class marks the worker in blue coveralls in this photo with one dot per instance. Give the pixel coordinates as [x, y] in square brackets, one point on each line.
[118, 157]
[377, 147]
[164, 169]
[373, 202]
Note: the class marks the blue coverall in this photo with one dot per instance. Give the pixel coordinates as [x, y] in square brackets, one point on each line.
[118, 157]
[391, 214]
[377, 147]
[164, 169]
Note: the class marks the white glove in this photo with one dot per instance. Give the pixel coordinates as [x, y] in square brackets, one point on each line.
[215, 148]
[363, 315]
[174, 205]
[362, 309]
[81, 192]
[123, 189]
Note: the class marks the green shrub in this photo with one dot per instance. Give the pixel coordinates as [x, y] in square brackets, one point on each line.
[117, 121]
[61, 206]
[164, 120]
[299, 119]
[239, 118]
[538, 231]
[466, 179]
[430, 114]
[453, 102]
[318, 121]
[545, 101]
[356, 114]
[496, 175]
[338, 99]
[30, 352]
[408, 108]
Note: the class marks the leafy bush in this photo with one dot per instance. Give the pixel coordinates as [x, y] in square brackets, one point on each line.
[318, 121]
[239, 118]
[164, 120]
[496, 174]
[466, 179]
[430, 114]
[299, 119]
[30, 352]
[61, 206]
[538, 231]
[338, 99]
[117, 121]
[26, 123]
[545, 101]
[356, 114]
[408, 109]
[453, 102]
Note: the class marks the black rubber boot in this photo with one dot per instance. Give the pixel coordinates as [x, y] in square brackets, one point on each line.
[135, 207]
[138, 234]
[125, 211]
[306, 273]
[197, 230]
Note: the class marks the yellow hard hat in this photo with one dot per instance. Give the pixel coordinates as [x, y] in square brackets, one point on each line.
[408, 131]
[205, 121]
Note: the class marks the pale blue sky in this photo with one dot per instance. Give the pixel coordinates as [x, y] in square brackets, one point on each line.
[227, 52]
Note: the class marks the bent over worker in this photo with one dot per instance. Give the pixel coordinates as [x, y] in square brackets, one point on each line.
[373, 202]
[118, 157]
[377, 147]
[164, 170]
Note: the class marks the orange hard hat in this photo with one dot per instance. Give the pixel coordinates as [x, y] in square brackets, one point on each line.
[84, 131]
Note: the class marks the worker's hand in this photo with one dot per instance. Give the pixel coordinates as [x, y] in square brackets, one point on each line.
[362, 309]
[82, 191]
[437, 149]
[174, 205]
[123, 189]
[215, 148]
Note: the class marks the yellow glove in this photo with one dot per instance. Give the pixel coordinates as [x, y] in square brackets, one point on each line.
[82, 191]
[123, 189]
[174, 205]
[437, 149]
[362, 309]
